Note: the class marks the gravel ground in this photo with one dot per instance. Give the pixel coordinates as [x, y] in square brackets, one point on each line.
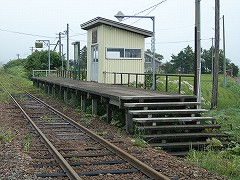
[16, 164]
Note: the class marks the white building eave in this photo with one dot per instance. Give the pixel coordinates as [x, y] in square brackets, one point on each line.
[99, 21]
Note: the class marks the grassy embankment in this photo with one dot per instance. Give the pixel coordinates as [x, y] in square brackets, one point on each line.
[225, 162]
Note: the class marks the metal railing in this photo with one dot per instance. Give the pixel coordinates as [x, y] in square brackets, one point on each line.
[138, 80]
[144, 80]
[72, 74]
[42, 73]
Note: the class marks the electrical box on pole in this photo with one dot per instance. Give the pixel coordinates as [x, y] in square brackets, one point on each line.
[38, 45]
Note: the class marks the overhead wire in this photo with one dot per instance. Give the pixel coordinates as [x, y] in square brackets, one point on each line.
[23, 33]
[154, 6]
[176, 42]
[146, 14]
[77, 34]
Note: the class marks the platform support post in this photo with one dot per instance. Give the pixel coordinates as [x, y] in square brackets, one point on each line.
[74, 96]
[45, 87]
[65, 95]
[129, 122]
[37, 84]
[109, 112]
[83, 103]
[34, 83]
[40, 86]
[53, 90]
[60, 92]
[94, 106]
[49, 89]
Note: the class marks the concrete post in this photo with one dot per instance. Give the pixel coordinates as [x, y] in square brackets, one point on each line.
[94, 106]
[65, 95]
[109, 112]
[83, 103]
[74, 97]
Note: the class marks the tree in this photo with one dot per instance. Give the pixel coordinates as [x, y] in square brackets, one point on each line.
[235, 69]
[184, 61]
[83, 62]
[13, 63]
[169, 68]
[157, 56]
[39, 60]
[207, 62]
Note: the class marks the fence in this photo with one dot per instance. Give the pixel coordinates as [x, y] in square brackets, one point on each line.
[42, 73]
[138, 80]
[73, 74]
[143, 80]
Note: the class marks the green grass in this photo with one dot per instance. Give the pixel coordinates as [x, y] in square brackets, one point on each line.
[221, 162]
[225, 162]
[6, 135]
[27, 142]
[139, 142]
[226, 96]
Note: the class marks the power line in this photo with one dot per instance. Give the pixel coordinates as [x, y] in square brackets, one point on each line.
[154, 6]
[176, 42]
[77, 34]
[145, 14]
[22, 33]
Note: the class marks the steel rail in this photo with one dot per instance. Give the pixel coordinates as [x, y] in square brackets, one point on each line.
[60, 159]
[147, 170]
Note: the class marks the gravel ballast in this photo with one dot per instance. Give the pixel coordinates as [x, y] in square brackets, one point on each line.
[15, 163]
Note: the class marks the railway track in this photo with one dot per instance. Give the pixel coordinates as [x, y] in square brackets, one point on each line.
[65, 149]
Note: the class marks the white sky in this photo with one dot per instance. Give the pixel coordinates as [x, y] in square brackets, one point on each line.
[174, 23]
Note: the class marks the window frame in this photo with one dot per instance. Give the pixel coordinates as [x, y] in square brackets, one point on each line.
[124, 54]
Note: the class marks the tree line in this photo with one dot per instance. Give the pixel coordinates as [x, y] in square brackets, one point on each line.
[182, 63]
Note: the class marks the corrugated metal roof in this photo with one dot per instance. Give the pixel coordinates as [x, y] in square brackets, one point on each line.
[99, 20]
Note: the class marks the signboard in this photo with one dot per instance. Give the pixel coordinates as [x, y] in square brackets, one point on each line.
[38, 45]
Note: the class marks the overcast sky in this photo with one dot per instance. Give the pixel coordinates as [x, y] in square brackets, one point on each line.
[22, 22]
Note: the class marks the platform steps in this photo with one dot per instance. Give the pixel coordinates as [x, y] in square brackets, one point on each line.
[172, 126]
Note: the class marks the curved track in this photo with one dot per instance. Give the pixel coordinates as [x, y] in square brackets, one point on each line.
[69, 150]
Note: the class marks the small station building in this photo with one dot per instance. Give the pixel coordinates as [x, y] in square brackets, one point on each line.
[113, 47]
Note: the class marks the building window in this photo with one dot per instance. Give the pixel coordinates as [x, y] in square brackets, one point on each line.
[132, 53]
[121, 53]
[94, 36]
[115, 53]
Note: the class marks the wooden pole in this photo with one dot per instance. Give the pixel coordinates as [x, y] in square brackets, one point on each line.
[216, 60]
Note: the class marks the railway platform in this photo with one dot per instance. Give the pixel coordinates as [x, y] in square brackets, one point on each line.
[172, 121]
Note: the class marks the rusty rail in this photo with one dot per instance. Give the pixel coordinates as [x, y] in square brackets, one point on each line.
[147, 170]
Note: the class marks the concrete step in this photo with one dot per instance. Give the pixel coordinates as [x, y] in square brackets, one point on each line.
[165, 112]
[161, 104]
[183, 135]
[185, 145]
[179, 127]
[172, 119]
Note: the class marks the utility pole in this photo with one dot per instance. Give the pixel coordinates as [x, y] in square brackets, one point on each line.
[216, 59]
[212, 56]
[60, 42]
[31, 48]
[60, 47]
[67, 32]
[224, 57]
[198, 50]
